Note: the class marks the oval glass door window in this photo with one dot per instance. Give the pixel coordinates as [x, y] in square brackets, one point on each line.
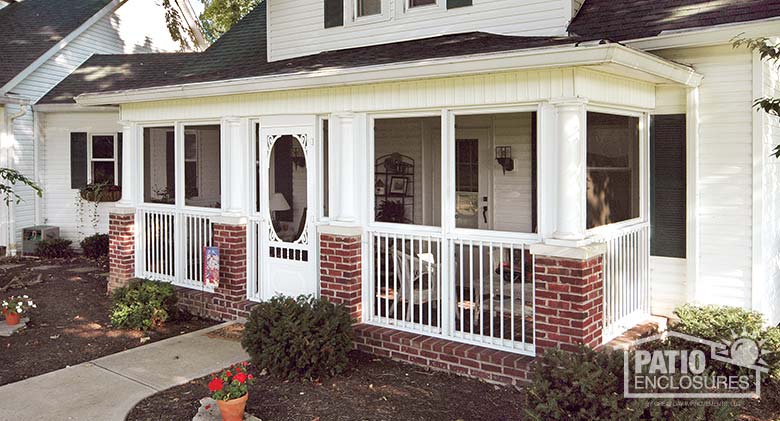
[287, 188]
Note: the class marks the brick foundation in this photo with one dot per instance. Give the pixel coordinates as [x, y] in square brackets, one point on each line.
[569, 302]
[228, 301]
[341, 272]
[441, 354]
[121, 249]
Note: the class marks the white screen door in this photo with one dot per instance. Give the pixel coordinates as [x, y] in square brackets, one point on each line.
[287, 192]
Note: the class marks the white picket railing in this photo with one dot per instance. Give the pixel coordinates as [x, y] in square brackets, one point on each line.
[170, 245]
[474, 288]
[626, 279]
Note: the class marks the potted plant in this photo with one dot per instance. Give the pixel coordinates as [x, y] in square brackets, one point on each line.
[101, 192]
[230, 388]
[14, 307]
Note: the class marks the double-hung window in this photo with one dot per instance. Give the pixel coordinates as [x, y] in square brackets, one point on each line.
[102, 153]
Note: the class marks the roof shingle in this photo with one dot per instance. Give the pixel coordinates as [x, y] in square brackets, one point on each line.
[31, 27]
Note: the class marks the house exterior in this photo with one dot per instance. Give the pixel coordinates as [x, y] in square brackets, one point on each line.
[524, 176]
[42, 43]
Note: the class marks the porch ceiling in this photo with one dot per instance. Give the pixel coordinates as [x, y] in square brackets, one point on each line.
[613, 59]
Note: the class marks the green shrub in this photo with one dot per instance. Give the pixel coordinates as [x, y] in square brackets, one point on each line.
[299, 338]
[95, 246]
[143, 305]
[55, 248]
[588, 385]
[724, 324]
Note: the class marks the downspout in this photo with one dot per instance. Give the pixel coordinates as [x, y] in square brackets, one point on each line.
[11, 216]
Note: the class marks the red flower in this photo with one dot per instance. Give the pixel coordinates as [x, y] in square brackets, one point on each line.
[251, 377]
[241, 377]
[228, 373]
[215, 384]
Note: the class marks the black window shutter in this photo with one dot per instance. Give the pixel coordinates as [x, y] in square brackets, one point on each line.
[334, 13]
[119, 157]
[453, 4]
[78, 160]
[668, 185]
[170, 163]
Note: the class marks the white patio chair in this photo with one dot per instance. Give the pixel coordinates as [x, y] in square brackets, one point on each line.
[420, 270]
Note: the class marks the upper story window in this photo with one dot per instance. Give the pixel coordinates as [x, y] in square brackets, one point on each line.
[421, 3]
[365, 8]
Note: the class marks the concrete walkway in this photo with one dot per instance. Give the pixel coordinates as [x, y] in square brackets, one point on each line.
[108, 388]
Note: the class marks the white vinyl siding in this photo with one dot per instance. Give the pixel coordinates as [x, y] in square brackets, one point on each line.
[59, 202]
[725, 177]
[668, 284]
[296, 27]
[491, 89]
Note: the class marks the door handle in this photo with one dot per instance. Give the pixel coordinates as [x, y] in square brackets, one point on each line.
[484, 213]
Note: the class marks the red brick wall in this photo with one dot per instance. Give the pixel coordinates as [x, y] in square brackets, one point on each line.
[121, 249]
[228, 301]
[569, 302]
[341, 271]
[440, 354]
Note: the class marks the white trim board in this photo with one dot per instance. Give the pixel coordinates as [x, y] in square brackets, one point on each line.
[609, 58]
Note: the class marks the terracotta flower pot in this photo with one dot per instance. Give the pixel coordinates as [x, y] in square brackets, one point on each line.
[12, 319]
[233, 410]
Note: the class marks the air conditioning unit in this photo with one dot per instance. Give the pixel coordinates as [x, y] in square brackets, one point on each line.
[31, 236]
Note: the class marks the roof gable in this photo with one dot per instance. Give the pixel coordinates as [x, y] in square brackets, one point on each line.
[30, 28]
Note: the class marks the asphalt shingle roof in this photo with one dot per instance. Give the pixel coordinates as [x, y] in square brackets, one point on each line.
[31, 27]
[634, 19]
[241, 52]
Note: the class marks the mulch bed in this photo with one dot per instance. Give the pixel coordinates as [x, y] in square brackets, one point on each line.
[71, 324]
[372, 389]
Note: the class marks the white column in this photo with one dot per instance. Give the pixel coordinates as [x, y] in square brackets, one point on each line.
[131, 165]
[572, 168]
[234, 165]
[344, 165]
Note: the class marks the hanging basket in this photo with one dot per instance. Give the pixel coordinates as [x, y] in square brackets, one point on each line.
[106, 194]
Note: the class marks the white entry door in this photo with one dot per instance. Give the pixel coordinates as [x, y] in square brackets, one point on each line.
[287, 191]
[474, 203]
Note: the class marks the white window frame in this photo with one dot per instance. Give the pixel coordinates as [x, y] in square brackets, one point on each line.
[178, 127]
[113, 159]
[644, 171]
[354, 19]
[447, 223]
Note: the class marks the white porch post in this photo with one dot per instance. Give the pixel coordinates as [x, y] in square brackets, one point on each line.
[235, 160]
[130, 166]
[346, 212]
[572, 167]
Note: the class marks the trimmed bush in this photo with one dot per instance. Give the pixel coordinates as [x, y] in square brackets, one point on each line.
[143, 305]
[721, 323]
[588, 385]
[95, 246]
[55, 248]
[304, 338]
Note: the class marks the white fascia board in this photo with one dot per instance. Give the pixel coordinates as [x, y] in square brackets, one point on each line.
[73, 108]
[60, 45]
[708, 35]
[654, 69]
[7, 99]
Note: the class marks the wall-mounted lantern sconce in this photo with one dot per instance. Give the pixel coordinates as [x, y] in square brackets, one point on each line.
[297, 156]
[504, 158]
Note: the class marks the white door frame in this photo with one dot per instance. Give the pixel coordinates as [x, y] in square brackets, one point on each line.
[292, 267]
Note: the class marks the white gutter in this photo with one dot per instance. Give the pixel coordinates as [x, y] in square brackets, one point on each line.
[652, 68]
[60, 45]
[72, 108]
[11, 215]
